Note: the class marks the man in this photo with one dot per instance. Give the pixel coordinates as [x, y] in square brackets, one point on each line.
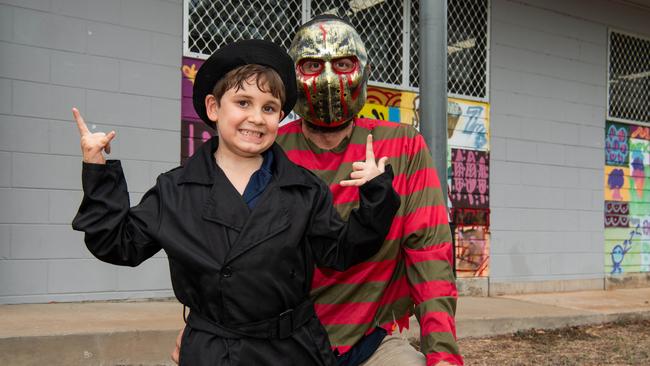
[365, 308]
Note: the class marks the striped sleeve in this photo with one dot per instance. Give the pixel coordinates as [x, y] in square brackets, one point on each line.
[428, 255]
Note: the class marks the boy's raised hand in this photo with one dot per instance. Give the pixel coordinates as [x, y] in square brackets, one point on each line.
[92, 144]
[363, 171]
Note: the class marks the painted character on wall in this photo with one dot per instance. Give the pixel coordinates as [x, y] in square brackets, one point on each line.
[615, 183]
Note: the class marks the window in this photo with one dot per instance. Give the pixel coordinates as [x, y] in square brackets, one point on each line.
[388, 27]
[467, 42]
[210, 24]
[629, 78]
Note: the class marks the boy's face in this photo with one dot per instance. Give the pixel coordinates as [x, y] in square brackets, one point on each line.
[247, 119]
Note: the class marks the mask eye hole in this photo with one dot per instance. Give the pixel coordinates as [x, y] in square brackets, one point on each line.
[311, 66]
[344, 65]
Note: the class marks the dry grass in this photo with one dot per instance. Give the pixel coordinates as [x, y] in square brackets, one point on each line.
[623, 343]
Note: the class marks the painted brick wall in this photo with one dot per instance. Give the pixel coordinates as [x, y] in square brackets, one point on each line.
[548, 97]
[118, 62]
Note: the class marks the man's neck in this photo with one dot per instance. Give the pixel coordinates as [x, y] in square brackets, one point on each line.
[324, 139]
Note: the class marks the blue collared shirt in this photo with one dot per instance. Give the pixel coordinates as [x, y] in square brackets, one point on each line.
[259, 180]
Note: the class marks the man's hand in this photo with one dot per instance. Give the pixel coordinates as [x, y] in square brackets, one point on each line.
[92, 144]
[363, 171]
[177, 351]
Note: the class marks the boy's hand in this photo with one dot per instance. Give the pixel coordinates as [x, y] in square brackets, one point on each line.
[177, 350]
[92, 144]
[363, 171]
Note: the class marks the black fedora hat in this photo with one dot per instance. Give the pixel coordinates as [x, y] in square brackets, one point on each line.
[233, 55]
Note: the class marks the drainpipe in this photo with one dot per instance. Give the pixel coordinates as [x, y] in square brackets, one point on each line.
[433, 82]
[433, 87]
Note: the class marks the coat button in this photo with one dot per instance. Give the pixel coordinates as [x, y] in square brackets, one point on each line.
[226, 272]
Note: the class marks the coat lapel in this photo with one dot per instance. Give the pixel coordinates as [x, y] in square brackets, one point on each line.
[271, 215]
[225, 205]
[267, 219]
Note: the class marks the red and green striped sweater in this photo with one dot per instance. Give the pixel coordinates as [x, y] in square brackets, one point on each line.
[412, 273]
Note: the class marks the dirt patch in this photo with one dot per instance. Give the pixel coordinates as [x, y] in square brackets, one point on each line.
[621, 343]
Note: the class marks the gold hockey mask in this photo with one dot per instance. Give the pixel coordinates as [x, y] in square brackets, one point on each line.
[332, 72]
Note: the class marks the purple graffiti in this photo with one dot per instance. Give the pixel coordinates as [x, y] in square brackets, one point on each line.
[638, 172]
[615, 182]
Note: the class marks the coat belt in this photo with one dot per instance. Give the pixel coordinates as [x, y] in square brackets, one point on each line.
[279, 327]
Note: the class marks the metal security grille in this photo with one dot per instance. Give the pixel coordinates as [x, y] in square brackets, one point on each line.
[380, 24]
[388, 27]
[629, 77]
[467, 52]
[414, 52]
[212, 24]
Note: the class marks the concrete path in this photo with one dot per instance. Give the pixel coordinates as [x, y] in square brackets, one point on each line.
[506, 314]
[143, 333]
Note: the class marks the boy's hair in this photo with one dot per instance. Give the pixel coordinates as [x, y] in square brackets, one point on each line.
[266, 79]
[241, 53]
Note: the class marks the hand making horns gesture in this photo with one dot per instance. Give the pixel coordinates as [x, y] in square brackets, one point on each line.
[92, 144]
[363, 171]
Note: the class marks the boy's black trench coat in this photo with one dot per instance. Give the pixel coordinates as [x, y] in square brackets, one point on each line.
[232, 266]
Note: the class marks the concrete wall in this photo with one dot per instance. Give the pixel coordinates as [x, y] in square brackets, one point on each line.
[118, 62]
[548, 93]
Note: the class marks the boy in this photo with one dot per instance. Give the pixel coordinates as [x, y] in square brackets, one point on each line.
[242, 226]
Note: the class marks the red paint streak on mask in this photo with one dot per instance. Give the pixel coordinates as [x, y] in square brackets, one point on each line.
[357, 91]
[324, 31]
[343, 104]
[310, 104]
[349, 79]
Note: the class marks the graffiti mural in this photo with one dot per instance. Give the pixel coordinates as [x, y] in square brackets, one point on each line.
[391, 105]
[468, 172]
[468, 168]
[627, 198]
[616, 151]
[194, 131]
[617, 214]
[617, 186]
[468, 193]
[468, 125]
[469, 179]
[467, 159]
[472, 251]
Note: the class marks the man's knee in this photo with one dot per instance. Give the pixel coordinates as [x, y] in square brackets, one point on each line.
[396, 350]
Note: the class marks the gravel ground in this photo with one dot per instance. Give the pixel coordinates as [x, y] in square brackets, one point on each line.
[622, 343]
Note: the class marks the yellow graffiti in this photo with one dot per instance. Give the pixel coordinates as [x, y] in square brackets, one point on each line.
[190, 72]
[383, 96]
[380, 99]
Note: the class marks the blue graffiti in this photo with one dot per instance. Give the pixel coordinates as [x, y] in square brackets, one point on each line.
[618, 252]
[476, 127]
